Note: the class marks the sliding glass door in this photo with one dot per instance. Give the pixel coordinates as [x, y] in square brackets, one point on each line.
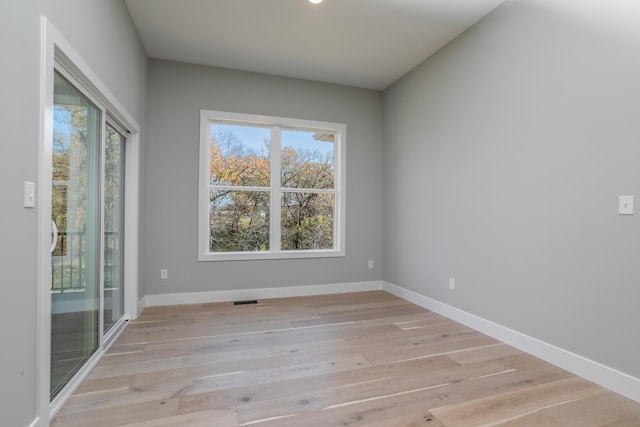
[87, 296]
[113, 227]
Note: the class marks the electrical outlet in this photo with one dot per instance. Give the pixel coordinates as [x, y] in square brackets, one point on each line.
[452, 284]
[164, 274]
[626, 205]
[370, 263]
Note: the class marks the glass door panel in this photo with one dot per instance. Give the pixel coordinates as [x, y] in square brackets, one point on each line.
[75, 257]
[113, 226]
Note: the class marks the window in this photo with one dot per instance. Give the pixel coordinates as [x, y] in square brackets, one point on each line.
[270, 187]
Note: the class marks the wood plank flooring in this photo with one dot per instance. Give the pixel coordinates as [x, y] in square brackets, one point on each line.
[362, 359]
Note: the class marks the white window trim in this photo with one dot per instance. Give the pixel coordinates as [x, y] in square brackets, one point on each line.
[276, 123]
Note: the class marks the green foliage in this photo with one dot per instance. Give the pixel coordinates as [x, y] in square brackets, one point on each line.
[307, 221]
[239, 221]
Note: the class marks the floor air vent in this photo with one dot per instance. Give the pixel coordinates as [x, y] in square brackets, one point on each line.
[245, 302]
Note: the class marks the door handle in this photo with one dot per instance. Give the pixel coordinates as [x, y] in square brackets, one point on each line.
[54, 236]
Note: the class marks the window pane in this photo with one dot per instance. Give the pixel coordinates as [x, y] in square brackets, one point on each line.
[307, 221]
[75, 300]
[113, 238]
[238, 221]
[239, 155]
[307, 159]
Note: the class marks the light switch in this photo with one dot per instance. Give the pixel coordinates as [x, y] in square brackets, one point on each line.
[29, 194]
[626, 205]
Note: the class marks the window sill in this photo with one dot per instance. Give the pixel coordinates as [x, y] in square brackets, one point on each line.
[242, 256]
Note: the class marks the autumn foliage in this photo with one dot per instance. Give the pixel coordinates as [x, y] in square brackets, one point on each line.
[240, 197]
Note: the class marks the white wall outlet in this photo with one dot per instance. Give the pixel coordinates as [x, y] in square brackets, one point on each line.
[370, 263]
[626, 205]
[452, 284]
[164, 274]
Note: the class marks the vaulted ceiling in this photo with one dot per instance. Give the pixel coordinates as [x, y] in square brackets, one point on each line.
[362, 43]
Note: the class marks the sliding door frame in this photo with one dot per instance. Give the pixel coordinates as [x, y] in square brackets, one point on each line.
[106, 336]
[56, 52]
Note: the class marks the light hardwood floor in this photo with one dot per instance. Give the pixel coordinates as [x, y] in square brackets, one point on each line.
[362, 359]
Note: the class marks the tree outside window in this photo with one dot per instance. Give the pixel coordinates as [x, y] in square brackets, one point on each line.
[271, 188]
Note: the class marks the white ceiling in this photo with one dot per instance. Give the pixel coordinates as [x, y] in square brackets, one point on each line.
[362, 43]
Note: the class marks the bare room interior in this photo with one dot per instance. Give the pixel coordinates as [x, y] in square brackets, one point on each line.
[279, 213]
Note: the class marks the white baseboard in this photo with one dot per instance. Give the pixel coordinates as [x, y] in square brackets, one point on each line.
[254, 294]
[598, 373]
[141, 305]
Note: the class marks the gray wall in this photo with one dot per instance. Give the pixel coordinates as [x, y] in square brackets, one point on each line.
[504, 157]
[102, 32]
[177, 92]
[505, 154]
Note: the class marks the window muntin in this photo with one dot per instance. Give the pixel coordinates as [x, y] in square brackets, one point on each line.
[270, 187]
